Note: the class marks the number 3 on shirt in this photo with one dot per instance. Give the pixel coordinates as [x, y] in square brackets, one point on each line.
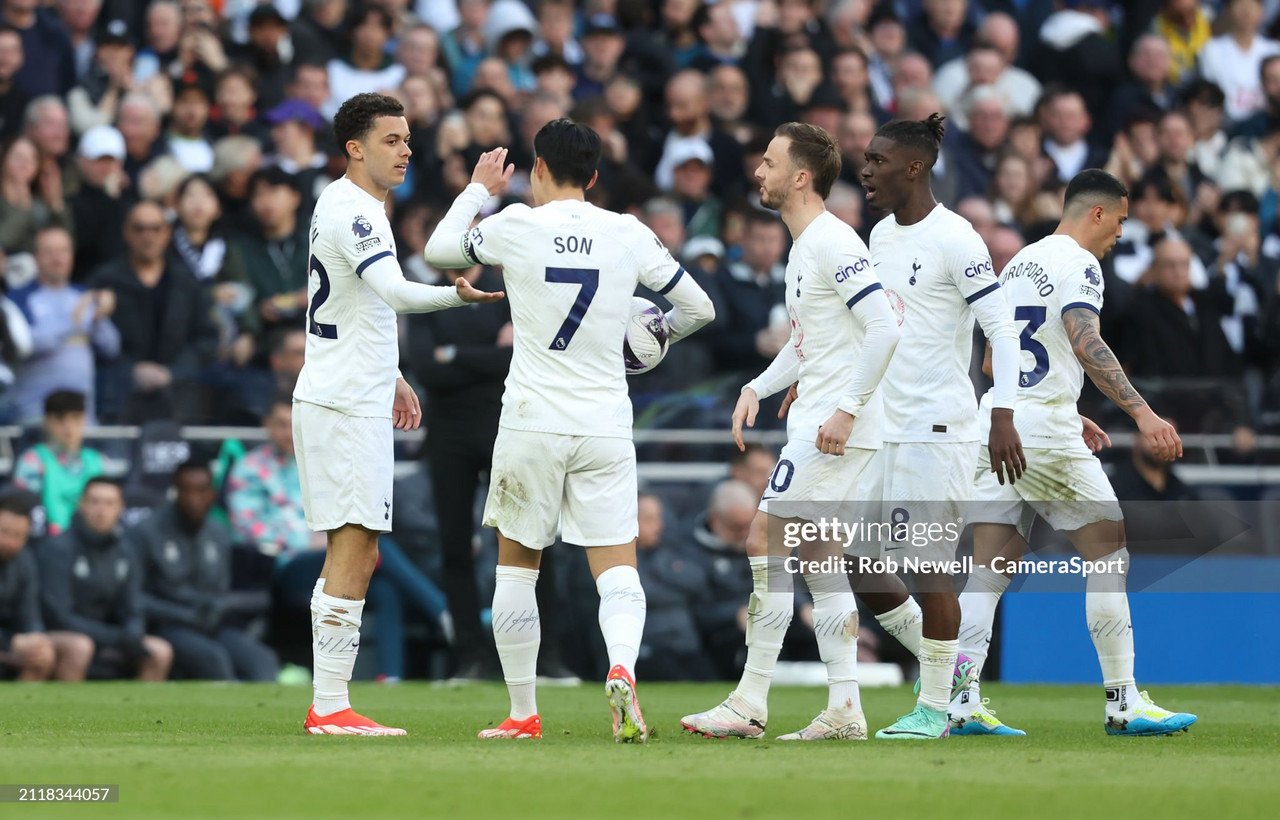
[1033, 315]
[322, 293]
[588, 279]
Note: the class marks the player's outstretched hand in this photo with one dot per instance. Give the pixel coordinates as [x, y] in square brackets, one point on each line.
[1160, 436]
[1005, 447]
[793, 393]
[492, 171]
[406, 412]
[469, 294]
[834, 433]
[1095, 438]
[745, 411]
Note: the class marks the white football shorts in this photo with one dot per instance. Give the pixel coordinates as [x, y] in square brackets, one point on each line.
[1065, 486]
[808, 484]
[346, 465]
[581, 487]
[926, 488]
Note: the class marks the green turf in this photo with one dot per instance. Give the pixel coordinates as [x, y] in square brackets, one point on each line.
[216, 750]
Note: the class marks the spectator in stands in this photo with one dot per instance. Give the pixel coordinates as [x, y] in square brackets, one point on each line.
[69, 327]
[15, 346]
[1003, 243]
[264, 53]
[317, 32]
[856, 131]
[235, 159]
[188, 135]
[1145, 486]
[27, 650]
[1148, 88]
[1156, 207]
[58, 469]
[1077, 50]
[91, 583]
[97, 207]
[163, 24]
[48, 125]
[1187, 28]
[294, 125]
[165, 321]
[466, 46]
[756, 324]
[235, 109]
[1232, 60]
[943, 31]
[264, 499]
[30, 196]
[198, 247]
[717, 545]
[1172, 330]
[309, 82]
[674, 586]
[1066, 123]
[691, 168]
[366, 65]
[139, 124]
[96, 98]
[752, 466]
[1203, 102]
[271, 257]
[461, 362]
[798, 78]
[721, 42]
[888, 43]
[1241, 275]
[13, 100]
[1266, 118]
[186, 561]
[975, 151]
[1012, 192]
[556, 32]
[1176, 139]
[50, 66]
[687, 109]
[989, 60]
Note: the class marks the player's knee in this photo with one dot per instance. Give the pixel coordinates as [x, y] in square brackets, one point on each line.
[77, 649]
[758, 536]
[159, 652]
[38, 655]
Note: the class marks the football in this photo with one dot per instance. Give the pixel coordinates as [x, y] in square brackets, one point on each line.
[647, 337]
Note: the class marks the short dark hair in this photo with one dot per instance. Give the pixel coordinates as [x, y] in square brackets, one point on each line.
[1094, 184]
[1156, 180]
[477, 94]
[814, 150]
[275, 176]
[739, 457]
[103, 481]
[193, 465]
[571, 151]
[1205, 93]
[62, 402]
[1239, 200]
[356, 116]
[17, 503]
[924, 135]
[279, 400]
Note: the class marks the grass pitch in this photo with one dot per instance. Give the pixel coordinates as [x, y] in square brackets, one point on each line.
[210, 750]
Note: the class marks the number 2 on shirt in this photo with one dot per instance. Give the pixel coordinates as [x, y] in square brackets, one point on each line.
[588, 279]
[322, 293]
[1033, 315]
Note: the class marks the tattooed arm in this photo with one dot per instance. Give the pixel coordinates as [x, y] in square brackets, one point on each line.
[1104, 370]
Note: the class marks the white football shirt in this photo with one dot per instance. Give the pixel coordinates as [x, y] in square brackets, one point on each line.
[932, 272]
[1043, 281]
[352, 349]
[569, 271]
[829, 271]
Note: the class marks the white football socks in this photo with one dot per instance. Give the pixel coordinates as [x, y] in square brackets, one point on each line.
[835, 624]
[977, 616]
[517, 633]
[1106, 607]
[937, 665]
[905, 623]
[769, 614]
[335, 641]
[622, 611]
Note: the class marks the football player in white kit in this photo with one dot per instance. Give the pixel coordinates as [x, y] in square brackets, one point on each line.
[1055, 288]
[350, 394]
[937, 274]
[563, 461]
[843, 334]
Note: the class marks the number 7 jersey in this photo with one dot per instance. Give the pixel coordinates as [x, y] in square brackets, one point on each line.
[569, 271]
[1042, 282]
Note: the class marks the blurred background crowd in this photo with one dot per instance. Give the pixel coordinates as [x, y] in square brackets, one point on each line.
[159, 165]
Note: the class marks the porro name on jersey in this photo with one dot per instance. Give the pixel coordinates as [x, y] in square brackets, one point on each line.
[1032, 272]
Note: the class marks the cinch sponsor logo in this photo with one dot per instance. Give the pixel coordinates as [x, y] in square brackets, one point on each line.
[849, 270]
[977, 268]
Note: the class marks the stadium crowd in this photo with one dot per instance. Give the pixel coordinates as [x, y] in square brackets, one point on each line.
[160, 161]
